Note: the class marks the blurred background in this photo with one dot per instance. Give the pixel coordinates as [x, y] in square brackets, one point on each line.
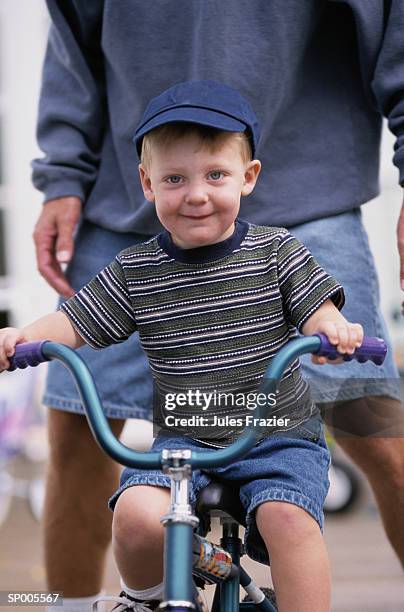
[365, 571]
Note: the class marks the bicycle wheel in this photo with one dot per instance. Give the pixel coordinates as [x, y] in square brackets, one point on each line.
[344, 488]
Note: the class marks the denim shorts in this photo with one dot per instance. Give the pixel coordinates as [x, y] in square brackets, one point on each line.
[292, 467]
[122, 373]
[340, 245]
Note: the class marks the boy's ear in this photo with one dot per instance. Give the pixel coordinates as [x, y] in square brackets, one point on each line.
[146, 183]
[250, 176]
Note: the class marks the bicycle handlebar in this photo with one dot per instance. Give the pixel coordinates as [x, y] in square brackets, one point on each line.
[33, 353]
[27, 354]
[373, 349]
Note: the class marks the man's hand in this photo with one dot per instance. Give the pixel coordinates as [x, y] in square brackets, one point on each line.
[9, 337]
[400, 245]
[344, 335]
[53, 237]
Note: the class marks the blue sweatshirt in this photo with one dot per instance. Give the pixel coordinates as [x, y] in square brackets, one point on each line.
[319, 74]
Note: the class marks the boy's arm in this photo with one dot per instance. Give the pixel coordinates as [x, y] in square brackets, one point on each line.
[328, 320]
[55, 327]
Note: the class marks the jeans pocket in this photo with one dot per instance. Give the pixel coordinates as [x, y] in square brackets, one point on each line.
[312, 429]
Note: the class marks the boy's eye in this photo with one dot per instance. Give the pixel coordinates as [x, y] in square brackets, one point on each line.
[174, 179]
[216, 175]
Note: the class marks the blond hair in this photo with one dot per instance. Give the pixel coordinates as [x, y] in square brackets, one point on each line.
[210, 137]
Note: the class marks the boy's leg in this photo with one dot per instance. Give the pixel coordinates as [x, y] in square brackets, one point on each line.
[138, 535]
[77, 521]
[299, 560]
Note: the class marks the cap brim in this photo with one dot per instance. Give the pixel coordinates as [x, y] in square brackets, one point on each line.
[189, 114]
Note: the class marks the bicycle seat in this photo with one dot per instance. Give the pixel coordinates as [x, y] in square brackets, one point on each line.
[218, 498]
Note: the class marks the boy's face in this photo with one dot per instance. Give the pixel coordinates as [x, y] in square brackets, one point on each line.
[197, 191]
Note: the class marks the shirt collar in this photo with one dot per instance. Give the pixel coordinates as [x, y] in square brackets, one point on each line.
[207, 253]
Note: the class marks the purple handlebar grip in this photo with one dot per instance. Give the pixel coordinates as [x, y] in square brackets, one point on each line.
[27, 354]
[373, 349]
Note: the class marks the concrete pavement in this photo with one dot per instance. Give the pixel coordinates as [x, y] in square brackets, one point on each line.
[366, 574]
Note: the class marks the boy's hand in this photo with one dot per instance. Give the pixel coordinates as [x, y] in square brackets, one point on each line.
[9, 337]
[344, 335]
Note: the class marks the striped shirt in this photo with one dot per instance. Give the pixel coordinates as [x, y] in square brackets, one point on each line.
[210, 318]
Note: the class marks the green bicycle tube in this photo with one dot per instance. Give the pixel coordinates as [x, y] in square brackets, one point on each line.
[178, 562]
[152, 460]
[224, 456]
[94, 412]
[229, 595]
[230, 589]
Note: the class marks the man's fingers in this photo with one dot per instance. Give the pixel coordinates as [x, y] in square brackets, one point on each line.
[400, 245]
[44, 248]
[55, 277]
[53, 238]
[66, 225]
[49, 268]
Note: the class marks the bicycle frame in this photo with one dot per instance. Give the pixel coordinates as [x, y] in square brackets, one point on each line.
[180, 522]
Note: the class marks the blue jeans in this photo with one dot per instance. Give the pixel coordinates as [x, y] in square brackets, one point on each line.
[340, 245]
[291, 467]
[122, 373]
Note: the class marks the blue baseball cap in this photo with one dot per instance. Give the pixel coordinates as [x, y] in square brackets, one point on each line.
[203, 102]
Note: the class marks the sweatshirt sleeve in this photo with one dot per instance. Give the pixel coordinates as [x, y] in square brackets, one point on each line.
[101, 312]
[303, 284]
[388, 79]
[72, 105]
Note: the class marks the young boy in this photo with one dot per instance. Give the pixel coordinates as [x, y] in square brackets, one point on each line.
[214, 298]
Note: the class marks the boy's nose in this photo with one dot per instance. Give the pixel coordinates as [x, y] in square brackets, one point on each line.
[196, 194]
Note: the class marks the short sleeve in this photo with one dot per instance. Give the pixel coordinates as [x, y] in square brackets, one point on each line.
[304, 285]
[101, 311]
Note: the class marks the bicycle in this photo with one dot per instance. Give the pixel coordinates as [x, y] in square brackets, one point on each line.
[189, 556]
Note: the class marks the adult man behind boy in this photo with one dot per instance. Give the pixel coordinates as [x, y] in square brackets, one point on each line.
[311, 72]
